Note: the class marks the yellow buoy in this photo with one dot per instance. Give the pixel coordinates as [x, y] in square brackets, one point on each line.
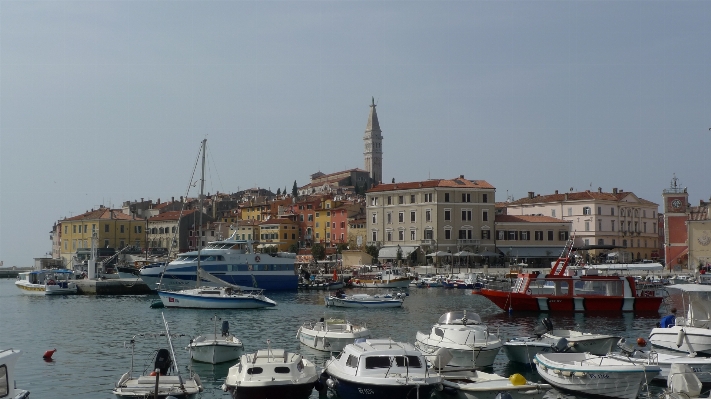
[517, 379]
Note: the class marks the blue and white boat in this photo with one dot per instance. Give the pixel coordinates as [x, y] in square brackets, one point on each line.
[231, 260]
[339, 299]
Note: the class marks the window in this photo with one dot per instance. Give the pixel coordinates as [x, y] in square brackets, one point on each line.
[485, 216]
[121, 228]
[570, 211]
[329, 212]
[624, 243]
[352, 361]
[500, 235]
[466, 197]
[401, 217]
[524, 236]
[138, 229]
[74, 228]
[412, 216]
[428, 197]
[428, 215]
[586, 210]
[587, 226]
[66, 244]
[601, 241]
[612, 212]
[328, 224]
[599, 210]
[375, 236]
[390, 200]
[318, 214]
[538, 235]
[447, 214]
[644, 227]
[586, 242]
[428, 234]
[343, 225]
[412, 198]
[374, 201]
[106, 228]
[389, 235]
[550, 235]
[613, 242]
[513, 235]
[446, 197]
[401, 235]
[644, 213]
[377, 362]
[466, 215]
[485, 198]
[636, 226]
[599, 224]
[375, 219]
[486, 234]
[317, 224]
[86, 226]
[552, 213]
[563, 235]
[66, 229]
[447, 234]
[254, 370]
[412, 235]
[400, 200]
[465, 234]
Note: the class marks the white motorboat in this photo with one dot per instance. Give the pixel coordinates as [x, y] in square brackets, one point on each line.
[699, 365]
[464, 335]
[429, 282]
[162, 380]
[580, 342]
[683, 383]
[523, 349]
[392, 277]
[691, 334]
[47, 282]
[8, 388]
[331, 335]
[338, 299]
[214, 348]
[271, 373]
[594, 375]
[479, 385]
[380, 368]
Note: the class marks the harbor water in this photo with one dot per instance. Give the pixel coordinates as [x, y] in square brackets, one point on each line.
[90, 333]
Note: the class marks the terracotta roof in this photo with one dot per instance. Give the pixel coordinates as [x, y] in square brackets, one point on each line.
[459, 182]
[528, 219]
[578, 196]
[103, 213]
[277, 221]
[170, 215]
[699, 213]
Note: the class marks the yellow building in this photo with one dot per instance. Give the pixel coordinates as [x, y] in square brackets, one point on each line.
[255, 210]
[323, 221]
[245, 230]
[280, 232]
[114, 229]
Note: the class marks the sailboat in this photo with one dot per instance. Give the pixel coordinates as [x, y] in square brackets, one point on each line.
[221, 296]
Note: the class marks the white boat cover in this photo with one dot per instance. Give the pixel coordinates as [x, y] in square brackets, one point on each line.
[682, 379]
[222, 283]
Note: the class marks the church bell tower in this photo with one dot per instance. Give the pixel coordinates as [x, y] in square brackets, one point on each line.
[373, 146]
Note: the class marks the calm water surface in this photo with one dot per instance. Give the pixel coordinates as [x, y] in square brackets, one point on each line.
[89, 332]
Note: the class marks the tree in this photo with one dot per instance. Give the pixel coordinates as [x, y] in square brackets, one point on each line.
[398, 254]
[278, 192]
[341, 247]
[318, 251]
[372, 250]
[294, 248]
[294, 190]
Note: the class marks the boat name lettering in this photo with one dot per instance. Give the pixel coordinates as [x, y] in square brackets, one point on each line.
[599, 376]
[366, 391]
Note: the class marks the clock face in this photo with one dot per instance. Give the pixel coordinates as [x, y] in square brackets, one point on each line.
[676, 204]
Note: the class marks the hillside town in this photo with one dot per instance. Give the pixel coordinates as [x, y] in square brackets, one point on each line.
[355, 218]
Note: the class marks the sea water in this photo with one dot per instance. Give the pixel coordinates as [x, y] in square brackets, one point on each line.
[91, 333]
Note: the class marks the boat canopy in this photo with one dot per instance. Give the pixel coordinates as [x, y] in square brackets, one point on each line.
[690, 287]
[629, 266]
[459, 317]
[59, 271]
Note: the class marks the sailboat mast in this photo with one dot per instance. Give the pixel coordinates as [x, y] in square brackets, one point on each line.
[199, 237]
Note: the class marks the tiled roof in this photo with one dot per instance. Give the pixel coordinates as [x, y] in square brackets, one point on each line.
[459, 182]
[171, 215]
[277, 221]
[528, 219]
[699, 213]
[103, 213]
[577, 196]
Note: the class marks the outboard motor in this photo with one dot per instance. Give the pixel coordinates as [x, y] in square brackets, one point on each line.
[561, 345]
[225, 328]
[163, 361]
[539, 330]
[546, 322]
[625, 347]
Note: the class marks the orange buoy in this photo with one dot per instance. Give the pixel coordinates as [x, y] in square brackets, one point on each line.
[48, 355]
[641, 342]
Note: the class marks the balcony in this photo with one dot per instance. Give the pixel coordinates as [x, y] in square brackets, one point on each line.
[428, 242]
[372, 243]
[467, 242]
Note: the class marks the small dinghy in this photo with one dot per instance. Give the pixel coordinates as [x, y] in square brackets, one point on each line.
[271, 373]
[339, 299]
[580, 342]
[523, 349]
[214, 348]
[480, 385]
[682, 383]
[594, 375]
[330, 335]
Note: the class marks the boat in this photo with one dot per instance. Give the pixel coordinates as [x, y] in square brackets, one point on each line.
[214, 348]
[691, 333]
[597, 344]
[222, 296]
[341, 300]
[391, 277]
[683, 383]
[162, 379]
[561, 291]
[584, 373]
[8, 388]
[465, 336]
[476, 384]
[47, 282]
[699, 365]
[380, 368]
[523, 349]
[271, 373]
[330, 335]
[429, 282]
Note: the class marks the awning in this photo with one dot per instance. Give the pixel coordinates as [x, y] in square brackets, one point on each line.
[391, 252]
[531, 252]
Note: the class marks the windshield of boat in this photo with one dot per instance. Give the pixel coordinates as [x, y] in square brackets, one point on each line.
[220, 245]
[458, 317]
[203, 258]
[378, 362]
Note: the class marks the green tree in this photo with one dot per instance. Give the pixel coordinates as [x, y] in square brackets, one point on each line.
[294, 248]
[341, 247]
[318, 251]
[294, 190]
[278, 192]
[398, 254]
[372, 250]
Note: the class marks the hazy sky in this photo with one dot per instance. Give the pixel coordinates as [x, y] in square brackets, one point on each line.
[107, 101]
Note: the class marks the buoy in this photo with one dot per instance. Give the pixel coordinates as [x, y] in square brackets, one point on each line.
[48, 355]
[153, 374]
[517, 379]
[641, 342]
[680, 338]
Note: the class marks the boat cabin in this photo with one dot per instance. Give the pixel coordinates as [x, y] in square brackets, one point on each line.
[270, 365]
[375, 357]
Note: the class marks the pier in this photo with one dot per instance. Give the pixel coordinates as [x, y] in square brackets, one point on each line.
[118, 286]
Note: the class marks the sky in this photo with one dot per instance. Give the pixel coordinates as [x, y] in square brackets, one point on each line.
[103, 102]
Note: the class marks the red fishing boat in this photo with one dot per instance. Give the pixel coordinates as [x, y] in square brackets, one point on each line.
[561, 291]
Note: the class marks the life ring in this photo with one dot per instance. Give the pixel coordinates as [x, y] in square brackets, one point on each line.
[257, 258]
[529, 292]
[51, 282]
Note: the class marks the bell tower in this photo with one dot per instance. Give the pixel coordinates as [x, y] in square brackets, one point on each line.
[373, 146]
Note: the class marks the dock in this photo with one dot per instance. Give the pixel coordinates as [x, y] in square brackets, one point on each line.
[118, 286]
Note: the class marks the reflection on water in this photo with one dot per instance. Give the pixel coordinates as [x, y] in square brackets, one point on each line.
[89, 332]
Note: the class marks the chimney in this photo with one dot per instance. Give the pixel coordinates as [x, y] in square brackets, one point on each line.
[158, 201]
[556, 191]
[614, 190]
[599, 189]
[461, 176]
[566, 196]
[141, 199]
[530, 194]
[172, 199]
[181, 198]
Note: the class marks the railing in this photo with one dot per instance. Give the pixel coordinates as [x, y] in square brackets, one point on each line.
[463, 242]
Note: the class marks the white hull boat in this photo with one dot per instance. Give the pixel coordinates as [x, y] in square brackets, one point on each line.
[388, 278]
[214, 348]
[579, 342]
[683, 383]
[47, 282]
[271, 373]
[8, 358]
[380, 368]
[330, 334]
[469, 342]
[215, 298]
[365, 301]
[691, 334]
[480, 385]
[594, 375]
[524, 349]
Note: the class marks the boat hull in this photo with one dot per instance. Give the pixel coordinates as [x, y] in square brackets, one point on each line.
[491, 389]
[296, 391]
[347, 389]
[216, 353]
[185, 278]
[41, 289]
[480, 356]
[391, 283]
[565, 303]
[178, 300]
[376, 303]
[523, 352]
[694, 339]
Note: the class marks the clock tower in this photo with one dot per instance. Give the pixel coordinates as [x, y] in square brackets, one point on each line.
[373, 153]
[675, 202]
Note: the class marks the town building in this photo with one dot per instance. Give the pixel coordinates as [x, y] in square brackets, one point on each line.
[171, 230]
[687, 229]
[531, 239]
[373, 140]
[279, 233]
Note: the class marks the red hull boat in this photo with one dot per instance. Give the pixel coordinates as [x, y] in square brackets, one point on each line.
[560, 292]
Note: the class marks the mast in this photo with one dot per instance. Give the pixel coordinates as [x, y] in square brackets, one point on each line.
[199, 238]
